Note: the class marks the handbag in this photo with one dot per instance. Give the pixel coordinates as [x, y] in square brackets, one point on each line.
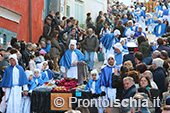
[100, 57]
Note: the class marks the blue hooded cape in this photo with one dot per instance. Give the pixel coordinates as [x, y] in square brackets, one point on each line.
[142, 13]
[119, 58]
[31, 85]
[7, 80]
[106, 76]
[44, 77]
[50, 73]
[107, 40]
[166, 12]
[66, 58]
[40, 81]
[124, 20]
[163, 29]
[127, 29]
[137, 33]
[150, 21]
[157, 8]
[97, 85]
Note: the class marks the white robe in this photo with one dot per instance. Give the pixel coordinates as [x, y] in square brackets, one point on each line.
[26, 104]
[13, 94]
[141, 19]
[72, 72]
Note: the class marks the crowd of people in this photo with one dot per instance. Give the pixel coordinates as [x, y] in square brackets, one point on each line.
[133, 65]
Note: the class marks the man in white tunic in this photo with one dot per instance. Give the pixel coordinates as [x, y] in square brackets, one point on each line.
[13, 80]
[70, 59]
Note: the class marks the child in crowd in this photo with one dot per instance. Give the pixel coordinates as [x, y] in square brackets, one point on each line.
[47, 71]
[37, 78]
[32, 64]
[94, 86]
[26, 100]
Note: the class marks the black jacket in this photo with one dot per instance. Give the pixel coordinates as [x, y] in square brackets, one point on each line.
[159, 79]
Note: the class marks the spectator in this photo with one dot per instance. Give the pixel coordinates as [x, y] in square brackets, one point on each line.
[162, 47]
[144, 82]
[138, 57]
[90, 44]
[47, 29]
[99, 16]
[46, 47]
[90, 23]
[120, 27]
[156, 54]
[135, 76]
[145, 49]
[141, 68]
[55, 47]
[150, 76]
[129, 91]
[159, 75]
[5, 62]
[32, 64]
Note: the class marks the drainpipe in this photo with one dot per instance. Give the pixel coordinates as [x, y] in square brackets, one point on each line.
[30, 21]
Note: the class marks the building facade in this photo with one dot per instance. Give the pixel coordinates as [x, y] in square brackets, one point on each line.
[22, 19]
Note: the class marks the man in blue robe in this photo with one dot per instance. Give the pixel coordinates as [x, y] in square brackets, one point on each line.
[160, 29]
[70, 59]
[13, 81]
[107, 43]
[129, 28]
[139, 32]
[106, 78]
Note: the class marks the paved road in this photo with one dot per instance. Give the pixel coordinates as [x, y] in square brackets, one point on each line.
[97, 65]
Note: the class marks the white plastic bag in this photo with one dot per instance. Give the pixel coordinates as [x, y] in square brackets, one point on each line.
[95, 57]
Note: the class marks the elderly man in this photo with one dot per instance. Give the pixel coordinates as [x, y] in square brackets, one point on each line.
[156, 54]
[46, 47]
[159, 75]
[13, 81]
[90, 44]
[129, 91]
[106, 78]
[70, 59]
[150, 76]
[107, 43]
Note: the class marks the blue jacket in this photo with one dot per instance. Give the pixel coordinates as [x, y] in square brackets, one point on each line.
[47, 49]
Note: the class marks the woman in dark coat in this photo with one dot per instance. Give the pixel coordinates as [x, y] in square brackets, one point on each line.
[55, 48]
[120, 27]
[145, 49]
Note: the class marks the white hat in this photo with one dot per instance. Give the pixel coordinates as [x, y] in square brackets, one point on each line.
[95, 71]
[118, 46]
[28, 73]
[161, 19]
[131, 45]
[73, 42]
[116, 32]
[139, 26]
[14, 56]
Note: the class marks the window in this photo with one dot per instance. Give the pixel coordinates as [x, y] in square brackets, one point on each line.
[68, 11]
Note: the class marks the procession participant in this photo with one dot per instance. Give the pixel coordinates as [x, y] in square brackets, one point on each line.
[13, 80]
[94, 86]
[139, 32]
[106, 78]
[26, 100]
[107, 43]
[128, 29]
[119, 55]
[47, 71]
[142, 19]
[160, 29]
[70, 59]
[131, 47]
[149, 24]
[37, 78]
